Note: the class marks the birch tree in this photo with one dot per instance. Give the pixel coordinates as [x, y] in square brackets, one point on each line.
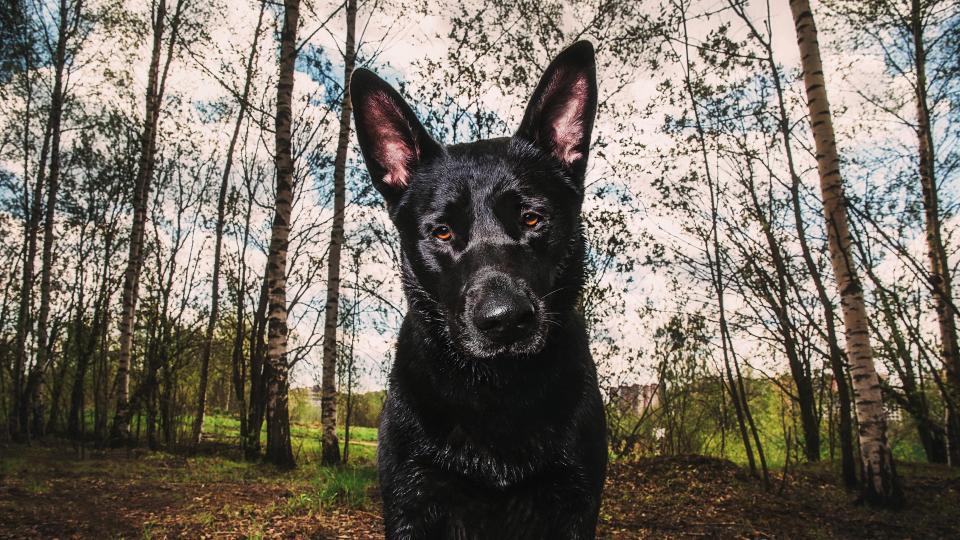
[60, 52]
[880, 484]
[163, 49]
[279, 451]
[915, 40]
[761, 33]
[68, 26]
[328, 416]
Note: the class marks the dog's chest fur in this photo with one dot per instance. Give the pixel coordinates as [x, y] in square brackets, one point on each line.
[503, 459]
[496, 429]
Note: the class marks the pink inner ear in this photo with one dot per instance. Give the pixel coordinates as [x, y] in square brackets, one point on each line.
[565, 120]
[394, 146]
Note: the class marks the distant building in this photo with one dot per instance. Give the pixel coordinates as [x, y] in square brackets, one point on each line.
[635, 398]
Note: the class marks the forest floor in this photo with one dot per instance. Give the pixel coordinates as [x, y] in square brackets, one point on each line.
[47, 491]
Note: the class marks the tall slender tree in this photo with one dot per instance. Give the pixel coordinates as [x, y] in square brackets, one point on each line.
[916, 41]
[835, 353]
[68, 22]
[879, 482]
[940, 272]
[279, 451]
[32, 207]
[61, 50]
[156, 84]
[328, 413]
[242, 106]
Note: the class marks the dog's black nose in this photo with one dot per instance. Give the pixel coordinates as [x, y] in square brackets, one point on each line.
[504, 317]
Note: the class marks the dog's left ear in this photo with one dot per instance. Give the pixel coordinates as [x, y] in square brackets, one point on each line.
[559, 117]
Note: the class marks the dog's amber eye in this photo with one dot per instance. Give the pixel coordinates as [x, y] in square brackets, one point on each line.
[531, 219]
[442, 233]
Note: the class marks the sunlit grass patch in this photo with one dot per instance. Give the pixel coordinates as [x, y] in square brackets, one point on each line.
[334, 486]
[219, 469]
[349, 486]
[304, 438]
[360, 433]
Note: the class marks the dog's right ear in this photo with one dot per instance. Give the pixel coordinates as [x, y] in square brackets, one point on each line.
[391, 137]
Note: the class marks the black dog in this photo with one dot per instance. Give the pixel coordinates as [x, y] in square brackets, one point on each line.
[494, 426]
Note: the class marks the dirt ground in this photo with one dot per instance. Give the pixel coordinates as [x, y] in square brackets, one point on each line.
[695, 496]
[47, 492]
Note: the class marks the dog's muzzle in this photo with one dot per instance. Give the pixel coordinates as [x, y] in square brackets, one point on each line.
[502, 316]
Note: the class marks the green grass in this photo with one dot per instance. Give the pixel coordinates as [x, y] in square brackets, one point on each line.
[205, 519]
[305, 438]
[334, 486]
[360, 433]
[348, 486]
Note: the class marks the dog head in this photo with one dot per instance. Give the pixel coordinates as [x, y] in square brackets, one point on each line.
[490, 231]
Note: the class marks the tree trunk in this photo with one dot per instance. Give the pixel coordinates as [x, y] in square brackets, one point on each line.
[940, 280]
[238, 373]
[86, 351]
[239, 367]
[837, 363]
[328, 401]
[258, 376]
[353, 340]
[120, 432]
[150, 400]
[6, 365]
[53, 186]
[779, 304]
[218, 245]
[879, 481]
[167, 420]
[835, 353]
[101, 388]
[27, 392]
[157, 352]
[279, 450]
[55, 413]
[19, 415]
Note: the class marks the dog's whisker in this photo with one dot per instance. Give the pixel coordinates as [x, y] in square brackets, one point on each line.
[544, 297]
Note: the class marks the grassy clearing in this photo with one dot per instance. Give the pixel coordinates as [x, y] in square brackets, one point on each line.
[345, 486]
[305, 439]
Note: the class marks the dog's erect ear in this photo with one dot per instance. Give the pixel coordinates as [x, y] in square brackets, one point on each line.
[559, 117]
[391, 138]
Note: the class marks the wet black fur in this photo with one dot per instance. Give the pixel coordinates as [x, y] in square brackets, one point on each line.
[478, 442]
